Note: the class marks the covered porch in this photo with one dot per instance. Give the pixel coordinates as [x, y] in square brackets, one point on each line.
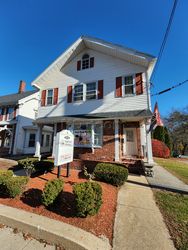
[113, 137]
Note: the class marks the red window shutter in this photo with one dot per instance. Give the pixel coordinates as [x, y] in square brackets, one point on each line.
[55, 96]
[91, 62]
[69, 94]
[78, 65]
[139, 84]
[43, 98]
[118, 86]
[100, 89]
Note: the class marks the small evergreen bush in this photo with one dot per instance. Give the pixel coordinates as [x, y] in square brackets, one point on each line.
[51, 191]
[4, 174]
[15, 185]
[111, 173]
[88, 198]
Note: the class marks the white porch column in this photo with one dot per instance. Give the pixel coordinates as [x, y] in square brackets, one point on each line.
[116, 136]
[54, 139]
[148, 145]
[38, 142]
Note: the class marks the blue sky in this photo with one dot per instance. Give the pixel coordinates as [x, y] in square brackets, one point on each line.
[36, 32]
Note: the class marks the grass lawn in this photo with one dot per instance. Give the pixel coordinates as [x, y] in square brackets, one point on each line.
[174, 208]
[175, 166]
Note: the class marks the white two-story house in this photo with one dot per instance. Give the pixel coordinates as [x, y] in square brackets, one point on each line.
[101, 92]
[17, 132]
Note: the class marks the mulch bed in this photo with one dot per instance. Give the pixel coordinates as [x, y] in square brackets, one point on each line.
[64, 209]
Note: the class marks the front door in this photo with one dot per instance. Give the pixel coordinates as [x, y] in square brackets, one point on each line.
[129, 144]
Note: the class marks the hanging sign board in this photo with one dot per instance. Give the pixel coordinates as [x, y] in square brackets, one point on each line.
[64, 147]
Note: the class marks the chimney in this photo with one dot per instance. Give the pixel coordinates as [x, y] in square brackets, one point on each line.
[22, 87]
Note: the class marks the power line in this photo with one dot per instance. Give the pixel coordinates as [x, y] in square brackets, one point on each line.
[168, 89]
[165, 38]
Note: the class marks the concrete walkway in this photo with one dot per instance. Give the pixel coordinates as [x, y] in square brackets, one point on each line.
[15, 241]
[163, 179]
[139, 223]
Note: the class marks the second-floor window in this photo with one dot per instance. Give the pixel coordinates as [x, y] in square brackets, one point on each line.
[49, 97]
[85, 91]
[129, 85]
[78, 92]
[91, 91]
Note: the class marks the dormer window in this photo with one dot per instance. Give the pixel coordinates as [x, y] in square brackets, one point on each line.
[85, 61]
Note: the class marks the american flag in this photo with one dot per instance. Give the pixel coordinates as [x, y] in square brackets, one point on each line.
[156, 119]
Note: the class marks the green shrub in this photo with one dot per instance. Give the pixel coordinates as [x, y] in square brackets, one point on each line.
[51, 190]
[4, 174]
[111, 173]
[88, 198]
[15, 185]
[34, 165]
[22, 163]
[28, 165]
[12, 185]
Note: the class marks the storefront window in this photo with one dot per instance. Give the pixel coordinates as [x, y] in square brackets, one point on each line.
[87, 135]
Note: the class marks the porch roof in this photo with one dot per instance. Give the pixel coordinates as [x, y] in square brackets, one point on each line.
[134, 115]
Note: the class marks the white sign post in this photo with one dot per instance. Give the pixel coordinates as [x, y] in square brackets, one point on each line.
[64, 147]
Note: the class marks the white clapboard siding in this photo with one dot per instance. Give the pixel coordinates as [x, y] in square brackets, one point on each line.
[106, 68]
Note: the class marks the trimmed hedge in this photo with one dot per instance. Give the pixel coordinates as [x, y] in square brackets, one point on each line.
[88, 198]
[111, 173]
[10, 185]
[51, 191]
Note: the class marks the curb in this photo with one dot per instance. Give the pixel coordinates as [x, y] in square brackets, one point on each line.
[52, 231]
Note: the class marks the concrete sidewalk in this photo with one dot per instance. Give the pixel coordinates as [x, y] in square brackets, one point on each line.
[139, 223]
[15, 241]
[165, 180]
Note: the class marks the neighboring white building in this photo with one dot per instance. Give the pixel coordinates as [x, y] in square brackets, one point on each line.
[101, 91]
[17, 132]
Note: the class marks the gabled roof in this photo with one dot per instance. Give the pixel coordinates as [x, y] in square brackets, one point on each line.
[115, 50]
[13, 99]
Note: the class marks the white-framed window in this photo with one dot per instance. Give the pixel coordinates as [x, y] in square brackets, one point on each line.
[91, 91]
[85, 61]
[85, 91]
[129, 85]
[49, 96]
[31, 143]
[87, 134]
[78, 92]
